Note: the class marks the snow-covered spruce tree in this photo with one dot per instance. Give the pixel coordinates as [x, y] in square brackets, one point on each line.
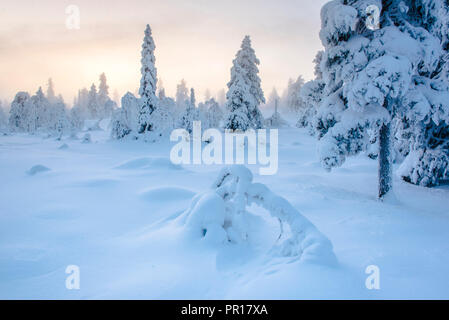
[273, 99]
[182, 94]
[311, 95]
[3, 118]
[40, 112]
[106, 105]
[422, 129]
[368, 74]
[317, 63]
[165, 114]
[214, 113]
[244, 92]
[60, 122]
[93, 106]
[51, 96]
[18, 114]
[294, 103]
[190, 114]
[148, 83]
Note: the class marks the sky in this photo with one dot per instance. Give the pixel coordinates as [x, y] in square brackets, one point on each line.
[195, 40]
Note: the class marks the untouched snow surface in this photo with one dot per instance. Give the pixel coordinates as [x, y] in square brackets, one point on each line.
[111, 208]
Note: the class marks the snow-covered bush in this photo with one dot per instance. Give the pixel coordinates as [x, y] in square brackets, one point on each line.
[221, 216]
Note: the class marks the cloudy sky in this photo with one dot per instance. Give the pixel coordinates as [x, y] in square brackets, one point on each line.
[195, 40]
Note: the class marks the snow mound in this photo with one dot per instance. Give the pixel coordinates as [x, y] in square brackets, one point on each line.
[63, 146]
[165, 194]
[220, 216]
[148, 163]
[37, 169]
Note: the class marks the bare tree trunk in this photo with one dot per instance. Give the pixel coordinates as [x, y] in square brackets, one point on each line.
[385, 166]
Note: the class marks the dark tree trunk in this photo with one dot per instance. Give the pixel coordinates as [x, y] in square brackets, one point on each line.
[385, 166]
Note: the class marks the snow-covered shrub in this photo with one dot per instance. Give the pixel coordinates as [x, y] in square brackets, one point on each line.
[221, 216]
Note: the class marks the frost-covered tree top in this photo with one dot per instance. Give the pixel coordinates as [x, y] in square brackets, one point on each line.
[192, 97]
[247, 61]
[148, 70]
[51, 96]
[181, 93]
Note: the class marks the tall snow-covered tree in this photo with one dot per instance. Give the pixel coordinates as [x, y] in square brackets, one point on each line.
[148, 83]
[310, 95]
[214, 114]
[368, 74]
[294, 102]
[41, 110]
[182, 95]
[422, 126]
[221, 97]
[106, 105]
[190, 114]
[51, 95]
[3, 118]
[18, 114]
[244, 92]
[92, 103]
[273, 98]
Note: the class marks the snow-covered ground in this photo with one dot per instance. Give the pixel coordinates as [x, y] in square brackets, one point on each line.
[109, 207]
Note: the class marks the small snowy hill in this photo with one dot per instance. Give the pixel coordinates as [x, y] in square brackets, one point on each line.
[139, 227]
